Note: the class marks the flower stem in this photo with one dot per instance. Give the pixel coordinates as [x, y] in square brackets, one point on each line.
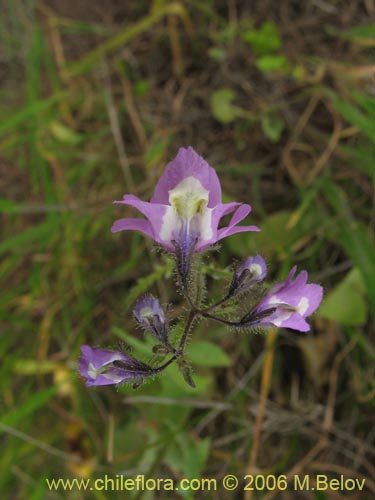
[214, 306]
[219, 320]
[178, 353]
[167, 363]
[181, 347]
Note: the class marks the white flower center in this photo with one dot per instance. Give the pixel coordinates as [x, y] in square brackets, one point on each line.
[95, 372]
[302, 305]
[256, 269]
[115, 377]
[188, 211]
[188, 198]
[92, 371]
[281, 316]
[146, 312]
[274, 300]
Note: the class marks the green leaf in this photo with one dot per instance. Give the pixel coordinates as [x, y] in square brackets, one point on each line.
[143, 347]
[356, 239]
[367, 102]
[29, 407]
[27, 112]
[8, 206]
[346, 303]
[264, 40]
[362, 34]
[221, 105]
[362, 158]
[275, 237]
[271, 63]
[272, 127]
[367, 30]
[173, 384]
[207, 354]
[186, 372]
[156, 151]
[226, 34]
[35, 235]
[364, 121]
[188, 454]
[144, 284]
[217, 53]
[64, 134]
[142, 87]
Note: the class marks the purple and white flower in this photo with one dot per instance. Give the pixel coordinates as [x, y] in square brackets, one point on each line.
[150, 315]
[251, 271]
[254, 267]
[288, 303]
[105, 367]
[185, 209]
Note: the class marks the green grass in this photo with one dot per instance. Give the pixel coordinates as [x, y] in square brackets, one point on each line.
[93, 105]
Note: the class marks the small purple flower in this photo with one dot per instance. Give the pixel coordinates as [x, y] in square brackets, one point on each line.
[288, 303]
[105, 367]
[251, 271]
[254, 267]
[185, 209]
[151, 317]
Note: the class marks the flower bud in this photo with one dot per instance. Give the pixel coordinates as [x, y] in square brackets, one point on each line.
[151, 317]
[251, 271]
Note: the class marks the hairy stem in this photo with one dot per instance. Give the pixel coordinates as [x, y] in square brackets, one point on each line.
[214, 306]
[219, 320]
[181, 347]
[167, 363]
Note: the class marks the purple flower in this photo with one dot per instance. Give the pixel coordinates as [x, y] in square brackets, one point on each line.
[288, 303]
[185, 209]
[151, 317]
[105, 367]
[254, 269]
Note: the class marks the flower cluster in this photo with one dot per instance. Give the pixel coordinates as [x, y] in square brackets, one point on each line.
[183, 217]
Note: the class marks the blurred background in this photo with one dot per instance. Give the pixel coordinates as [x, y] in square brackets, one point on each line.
[96, 98]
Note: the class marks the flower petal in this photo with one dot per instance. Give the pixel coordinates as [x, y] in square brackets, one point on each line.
[296, 300]
[154, 212]
[141, 225]
[238, 216]
[314, 293]
[219, 212]
[283, 284]
[101, 357]
[295, 322]
[98, 368]
[188, 163]
[111, 376]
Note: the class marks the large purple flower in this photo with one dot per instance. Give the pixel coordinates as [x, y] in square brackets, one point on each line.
[289, 303]
[105, 367]
[185, 209]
